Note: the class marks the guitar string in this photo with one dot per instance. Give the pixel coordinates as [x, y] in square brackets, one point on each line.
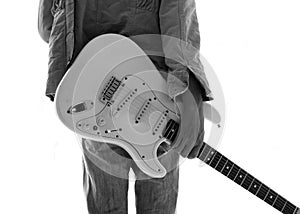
[131, 90]
[142, 101]
[128, 90]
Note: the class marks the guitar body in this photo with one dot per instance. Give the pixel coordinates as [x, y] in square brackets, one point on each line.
[113, 93]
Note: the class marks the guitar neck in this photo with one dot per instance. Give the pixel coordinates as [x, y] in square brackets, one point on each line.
[235, 173]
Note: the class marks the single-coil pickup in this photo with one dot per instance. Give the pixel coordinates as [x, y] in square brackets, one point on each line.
[111, 87]
[124, 102]
[143, 110]
[161, 122]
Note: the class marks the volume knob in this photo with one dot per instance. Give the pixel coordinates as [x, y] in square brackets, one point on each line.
[101, 121]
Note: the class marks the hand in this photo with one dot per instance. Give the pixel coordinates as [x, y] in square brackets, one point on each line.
[191, 124]
[51, 96]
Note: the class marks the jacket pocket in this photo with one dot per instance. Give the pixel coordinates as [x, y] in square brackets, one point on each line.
[150, 5]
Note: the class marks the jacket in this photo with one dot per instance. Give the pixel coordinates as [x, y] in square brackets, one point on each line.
[61, 24]
[167, 28]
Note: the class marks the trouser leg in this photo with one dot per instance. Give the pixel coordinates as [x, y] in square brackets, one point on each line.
[105, 193]
[157, 195]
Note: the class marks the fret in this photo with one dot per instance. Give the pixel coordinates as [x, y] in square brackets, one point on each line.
[275, 200]
[237, 174]
[210, 156]
[250, 184]
[228, 166]
[168, 128]
[279, 203]
[215, 160]
[240, 177]
[270, 197]
[244, 178]
[233, 172]
[169, 125]
[262, 193]
[224, 164]
[204, 152]
[247, 181]
[174, 132]
[289, 208]
[284, 206]
[221, 163]
[218, 161]
[169, 131]
[259, 189]
[255, 186]
[266, 194]
[201, 149]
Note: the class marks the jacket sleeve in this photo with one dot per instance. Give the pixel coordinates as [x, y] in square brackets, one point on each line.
[45, 19]
[181, 44]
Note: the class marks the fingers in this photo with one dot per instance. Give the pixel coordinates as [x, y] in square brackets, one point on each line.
[186, 150]
[189, 145]
[196, 148]
[185, 137]
[194, 152]
[178, 147]
[185, 147]
[184, 144]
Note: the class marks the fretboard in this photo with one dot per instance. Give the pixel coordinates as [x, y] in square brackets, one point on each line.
[223, 165]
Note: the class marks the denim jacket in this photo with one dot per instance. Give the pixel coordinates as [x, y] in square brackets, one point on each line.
[63, 23]
[68, 25]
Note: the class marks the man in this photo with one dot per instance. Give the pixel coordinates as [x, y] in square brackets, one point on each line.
[68, 25]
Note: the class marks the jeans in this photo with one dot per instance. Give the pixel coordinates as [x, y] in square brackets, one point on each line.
[107, 194]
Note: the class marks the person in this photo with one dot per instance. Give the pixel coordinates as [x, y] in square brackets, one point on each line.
[67, 26]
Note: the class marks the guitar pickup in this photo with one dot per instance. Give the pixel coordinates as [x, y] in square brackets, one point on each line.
[142, 111]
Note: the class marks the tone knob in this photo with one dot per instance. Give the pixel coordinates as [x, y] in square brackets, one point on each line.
[101, 121]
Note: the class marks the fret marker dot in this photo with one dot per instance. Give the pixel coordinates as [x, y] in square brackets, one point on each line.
[255, 186]
[241, 176]
[227, 167]
[271, 196]
[208, 159]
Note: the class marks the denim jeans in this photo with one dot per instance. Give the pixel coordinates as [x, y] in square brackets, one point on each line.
[107, 194]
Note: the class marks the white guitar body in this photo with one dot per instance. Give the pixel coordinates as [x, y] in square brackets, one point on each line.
[113, 93]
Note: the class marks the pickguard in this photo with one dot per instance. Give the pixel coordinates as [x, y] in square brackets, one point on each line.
[139, 112]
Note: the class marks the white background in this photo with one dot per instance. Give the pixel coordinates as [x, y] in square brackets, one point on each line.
[253, 46]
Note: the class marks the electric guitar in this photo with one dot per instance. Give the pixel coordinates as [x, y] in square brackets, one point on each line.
[113, 93]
